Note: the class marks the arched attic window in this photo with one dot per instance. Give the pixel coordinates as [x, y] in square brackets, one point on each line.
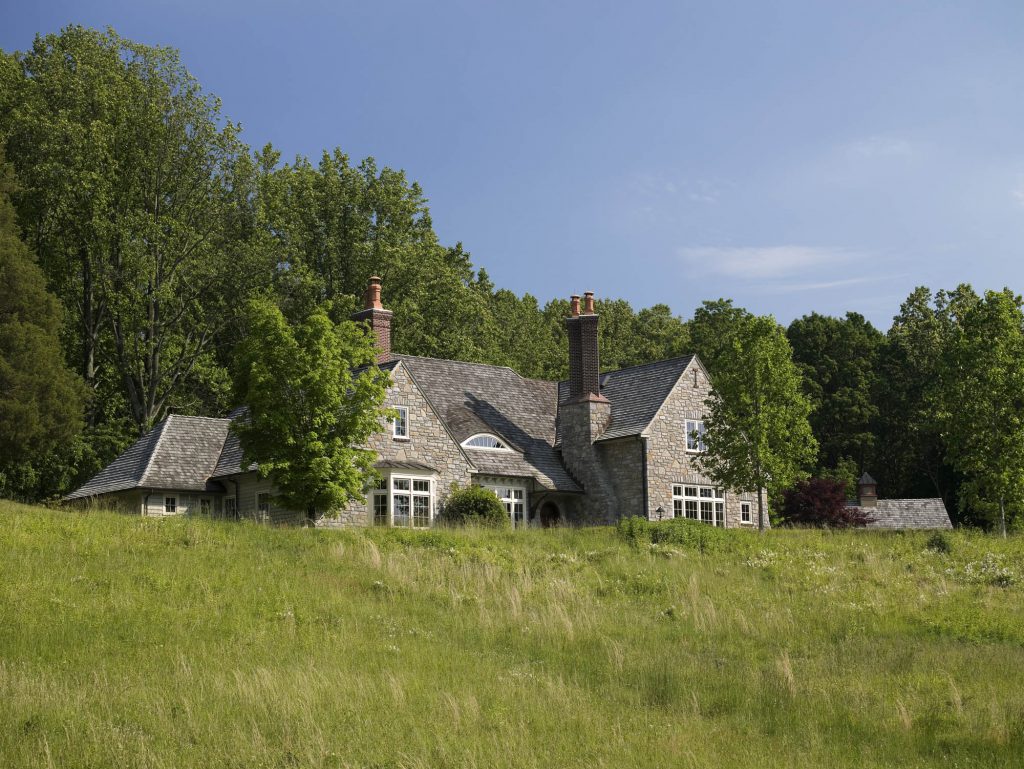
[485, 441]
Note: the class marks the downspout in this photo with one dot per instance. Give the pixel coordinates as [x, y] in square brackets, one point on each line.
[643, 474]
[145, 503]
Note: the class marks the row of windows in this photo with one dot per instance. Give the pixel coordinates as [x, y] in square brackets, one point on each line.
[704, 503]
[230, 510]
[403, 501]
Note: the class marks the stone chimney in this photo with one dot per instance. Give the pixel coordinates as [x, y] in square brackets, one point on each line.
[377, 319]
[867, 491]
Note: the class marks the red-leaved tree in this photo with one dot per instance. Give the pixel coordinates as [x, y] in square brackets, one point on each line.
[821, 502]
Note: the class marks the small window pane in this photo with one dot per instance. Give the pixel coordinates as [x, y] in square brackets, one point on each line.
[691, 491]
[421, 511]
[380, 509]
[401, 515]
[170, 504]
[421, 485]
[677, 508]
[677, 491]
[691, 508]
[707, 512]
[400, 484]
[485, 442]
[382, 484]
[705, 492]
[401, 422]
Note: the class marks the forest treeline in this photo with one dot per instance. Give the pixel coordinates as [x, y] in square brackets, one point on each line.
[144, 225]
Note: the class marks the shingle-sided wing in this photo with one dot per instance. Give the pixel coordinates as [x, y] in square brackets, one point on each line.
[909, 514]
[636, 394]
[476, 398]
[179, 453]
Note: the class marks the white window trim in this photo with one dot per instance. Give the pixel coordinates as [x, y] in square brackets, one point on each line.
[170, 505]
[503, 447]
[388, 492]
[681, 494]
[750, 513]
[404, 411]
[698, 428]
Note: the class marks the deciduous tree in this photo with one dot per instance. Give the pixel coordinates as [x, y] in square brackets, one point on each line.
[757, 434]
[309, 409]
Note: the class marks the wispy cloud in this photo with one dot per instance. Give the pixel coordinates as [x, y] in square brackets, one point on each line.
[767, 262]
[782, 288]
[880, 146]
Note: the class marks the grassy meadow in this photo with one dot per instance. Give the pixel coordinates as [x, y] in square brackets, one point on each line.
[131, 642]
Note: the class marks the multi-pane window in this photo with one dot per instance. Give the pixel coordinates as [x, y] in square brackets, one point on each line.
[229, 507]
[695, 435]
[745, 509]
[263, 503]
[699, 503]
[514, 499]
[170, 505]
[485, 441]
[400, 424]
[403, 501]
[205, 506]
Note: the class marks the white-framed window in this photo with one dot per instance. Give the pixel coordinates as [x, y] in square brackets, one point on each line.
[695, 435]
[205, 506]
[514, 499]
[170, 505]
[263, 503]
[486, 441]
[745, 512]
[699, 503]
[403, 500]
[400, 424]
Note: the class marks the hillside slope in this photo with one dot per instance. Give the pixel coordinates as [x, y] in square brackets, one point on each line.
[196, 643]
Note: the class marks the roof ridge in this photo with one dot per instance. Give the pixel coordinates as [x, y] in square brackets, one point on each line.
[688, 356]
[162, 427]
[400, 356]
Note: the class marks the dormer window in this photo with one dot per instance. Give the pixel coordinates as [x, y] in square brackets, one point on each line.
[486, 441]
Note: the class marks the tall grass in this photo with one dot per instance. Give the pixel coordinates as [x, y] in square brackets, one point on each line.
[194, 643]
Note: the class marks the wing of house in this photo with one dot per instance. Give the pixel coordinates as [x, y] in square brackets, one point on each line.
[899, 513]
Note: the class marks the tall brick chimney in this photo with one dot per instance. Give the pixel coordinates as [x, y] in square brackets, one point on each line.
[584, 359]
[586, 414]
[377, 319]
[867, 491]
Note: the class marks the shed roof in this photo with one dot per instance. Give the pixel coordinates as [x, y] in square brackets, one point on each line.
[908, 514]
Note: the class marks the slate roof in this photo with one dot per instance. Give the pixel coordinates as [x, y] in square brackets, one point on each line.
[473, 398]
[908, 514]
[230, 460]
[636, 393]
[179, 453]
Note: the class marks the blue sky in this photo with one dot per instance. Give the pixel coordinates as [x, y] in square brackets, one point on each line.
[794, 156]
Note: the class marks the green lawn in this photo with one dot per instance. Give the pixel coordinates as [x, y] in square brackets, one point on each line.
[192, 643]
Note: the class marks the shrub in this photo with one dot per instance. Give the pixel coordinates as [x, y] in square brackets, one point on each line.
[821, 502]
[939, 542]
[474, 506]
[690, 534]
[634, 529]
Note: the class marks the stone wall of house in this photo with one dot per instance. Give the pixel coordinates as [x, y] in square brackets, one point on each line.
[581, 423]
[429, 443]
[668, 461]
[623, 461]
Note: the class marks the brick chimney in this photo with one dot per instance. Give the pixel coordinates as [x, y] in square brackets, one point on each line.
[377, 319]
[867, 491]
[584, 359]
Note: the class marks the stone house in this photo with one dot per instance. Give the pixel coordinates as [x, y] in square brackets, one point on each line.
[589, 450]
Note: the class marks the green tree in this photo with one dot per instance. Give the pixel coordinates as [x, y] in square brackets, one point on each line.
[713, 330]
[910, 398]
[41, 401]
[757, 433]
[136, 199]
[838, 358]
[309, 406]
[983, 384]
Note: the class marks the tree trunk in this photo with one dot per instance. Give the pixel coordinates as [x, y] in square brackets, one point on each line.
[1002, 515]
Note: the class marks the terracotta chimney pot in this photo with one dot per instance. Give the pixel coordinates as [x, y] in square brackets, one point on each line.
[588, 302]
[574, 305]
[372, 301]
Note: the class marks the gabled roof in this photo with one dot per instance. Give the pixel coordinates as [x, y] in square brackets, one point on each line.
[179, 453]
[230, 460]
[908, 514]
[636, 393]
[473, 398]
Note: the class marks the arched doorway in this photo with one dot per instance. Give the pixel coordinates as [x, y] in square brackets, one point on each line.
[549, 515]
